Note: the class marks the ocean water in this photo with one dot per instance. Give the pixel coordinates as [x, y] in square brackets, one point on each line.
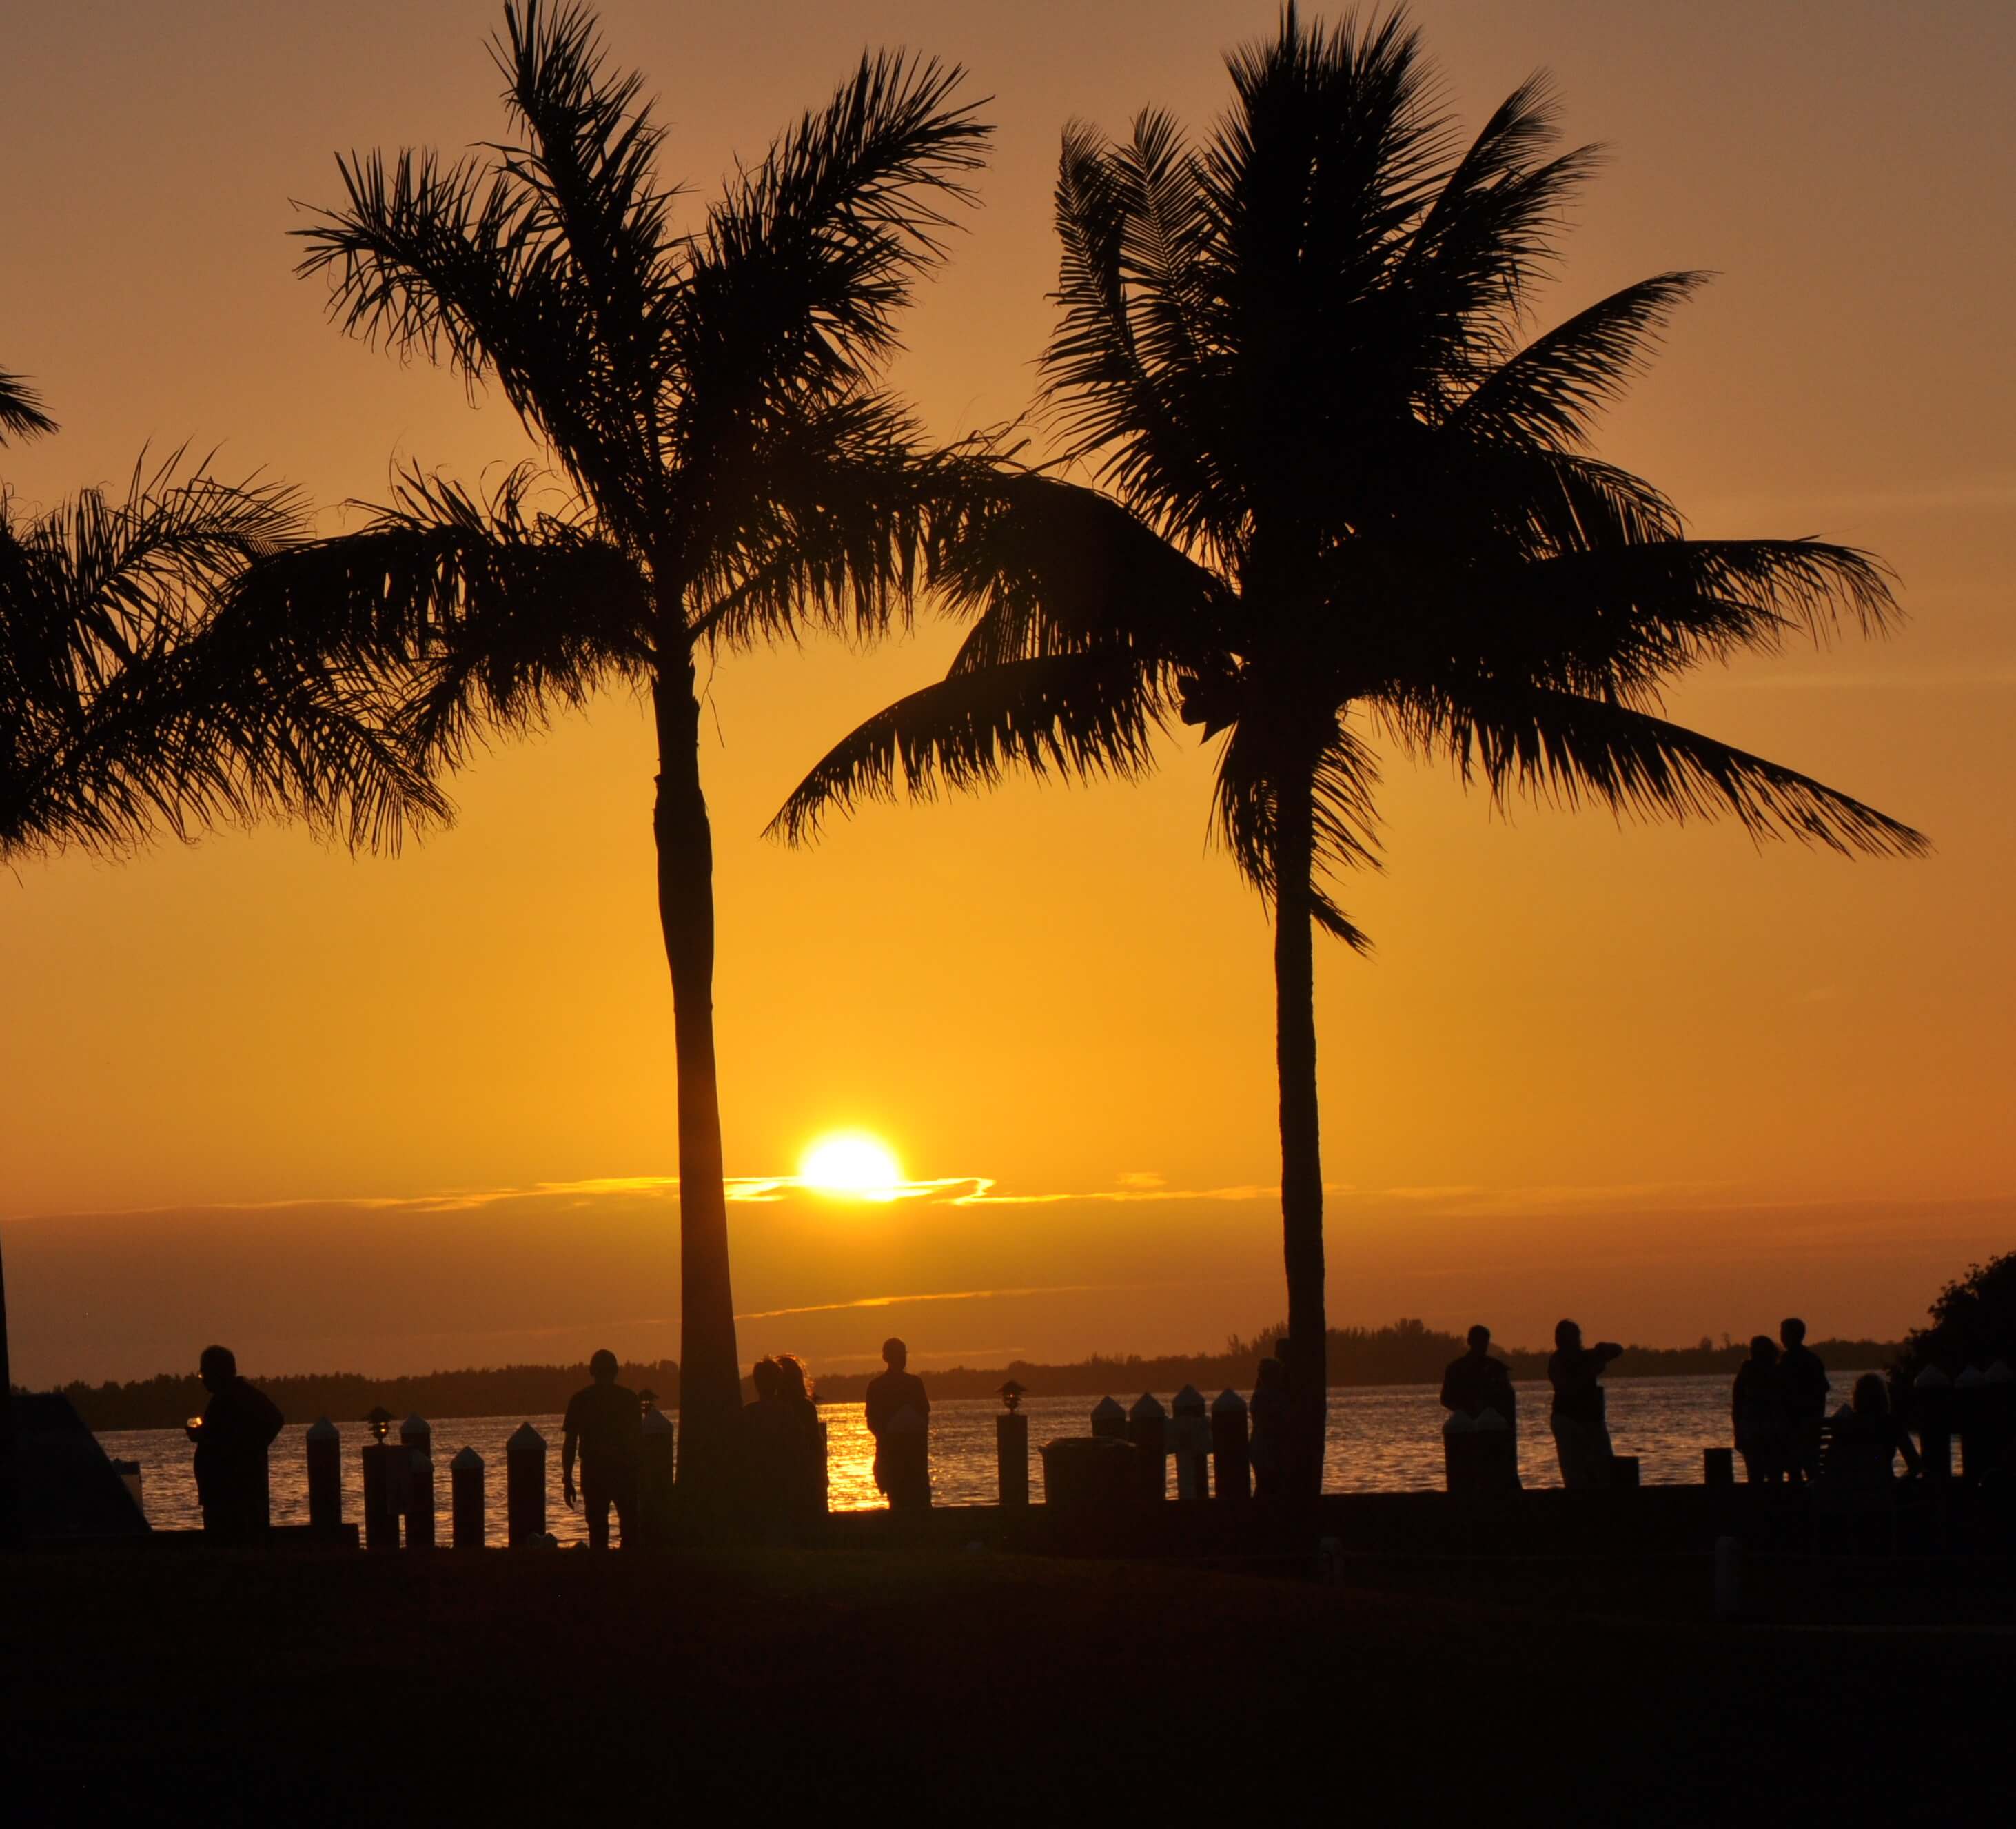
[1383, 1438]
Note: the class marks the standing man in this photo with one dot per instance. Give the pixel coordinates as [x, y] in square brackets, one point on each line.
[1582, 1430]
[1477, 1382]
[606, 1423]
[231, 1436]
[899, 1419]
[1804, 1382]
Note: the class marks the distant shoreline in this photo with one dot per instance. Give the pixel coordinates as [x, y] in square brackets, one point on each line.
[1405, 1352]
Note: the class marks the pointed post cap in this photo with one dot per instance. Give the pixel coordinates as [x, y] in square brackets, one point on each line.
[322, 1429]
[1228, 1403]
[1107, 1407]
[1968, 1380]
[469, 1460]
[1145, 1407]
[525, 1439]
[416, 1429]
[1931, 1378]
[1189, 1401]
[1998, 1373]
[657, 1423]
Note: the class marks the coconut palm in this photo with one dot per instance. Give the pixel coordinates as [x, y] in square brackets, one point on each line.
[724, 465]
[122, 716]
[1345, 500]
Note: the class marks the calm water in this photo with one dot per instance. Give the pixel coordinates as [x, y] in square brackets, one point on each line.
[1387, 1440]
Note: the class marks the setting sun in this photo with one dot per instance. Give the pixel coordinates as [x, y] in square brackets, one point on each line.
[851, 1162]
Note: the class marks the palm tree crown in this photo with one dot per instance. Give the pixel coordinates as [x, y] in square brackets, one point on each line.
[729, 464]
[1345, 496]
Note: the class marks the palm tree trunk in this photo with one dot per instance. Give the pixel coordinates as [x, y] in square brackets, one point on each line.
[1302, 1156]
[10, 1501]
[710, 1388]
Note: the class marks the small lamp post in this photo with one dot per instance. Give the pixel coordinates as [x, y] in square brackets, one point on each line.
[381, 1519]
[1011, 1448]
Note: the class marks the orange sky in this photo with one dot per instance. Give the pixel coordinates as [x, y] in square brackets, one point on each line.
[1655, 1075]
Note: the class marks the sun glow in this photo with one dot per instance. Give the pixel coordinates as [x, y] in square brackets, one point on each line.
[851, 1162]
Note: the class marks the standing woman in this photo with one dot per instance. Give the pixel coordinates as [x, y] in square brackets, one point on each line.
[1582, 1429]
[1761, 1418]
[805, 1443]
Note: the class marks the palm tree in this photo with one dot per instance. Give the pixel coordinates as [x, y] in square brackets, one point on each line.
[121, 715]
[1344, 497]
[726, 466]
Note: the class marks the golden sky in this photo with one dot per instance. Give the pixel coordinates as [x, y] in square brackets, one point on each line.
[1657, 1076]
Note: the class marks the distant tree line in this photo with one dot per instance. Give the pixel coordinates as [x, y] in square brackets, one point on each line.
[1402, 1352]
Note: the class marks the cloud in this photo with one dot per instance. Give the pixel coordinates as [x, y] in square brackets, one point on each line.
[896, 1301]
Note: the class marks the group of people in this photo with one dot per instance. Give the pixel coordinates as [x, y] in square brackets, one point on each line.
[1778, 1413]
[1477, 1383]
[1778, 1407]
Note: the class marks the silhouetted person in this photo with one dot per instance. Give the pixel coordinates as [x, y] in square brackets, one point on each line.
[1806, 1387]
[1269, 1424]
[1757, 1414]
[238, 1426]
[1477, 1382]
[605, 1424]
[804, 1458]
[765, 1450]
[1582, 1429]
[1869, 1435]
[899, 1419]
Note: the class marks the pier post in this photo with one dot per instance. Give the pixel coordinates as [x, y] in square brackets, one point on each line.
[324, 1454]
[524, 1486]
[1108, 1419]
[416, 1438]
[1718, 1467]
[466, 1501]
[1148, 1429]
[381, 1519]
[1232, 1462]
[657, 1473]
[1190, 1442]
[1011, 1456]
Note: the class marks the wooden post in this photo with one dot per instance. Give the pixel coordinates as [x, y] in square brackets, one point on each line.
[466, 1502]
[1011, 1456]
[417, 1440]
[1233, 1464]
[1148, 1429]
[325, 1453]
[1108, 1419]
[1190, 1443]
[1718, 1467]
[657, 1473]
[524, 1486]
[1624, 1473]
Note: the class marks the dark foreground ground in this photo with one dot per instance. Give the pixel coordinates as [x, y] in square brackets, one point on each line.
[945, 1688]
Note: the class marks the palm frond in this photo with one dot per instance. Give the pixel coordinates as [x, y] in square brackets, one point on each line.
[1346, 779]
[464, 613]
[21, 415]
[1549, 392]
[1077, 715]
[116, 720]
[803, 264]
[1558, 749]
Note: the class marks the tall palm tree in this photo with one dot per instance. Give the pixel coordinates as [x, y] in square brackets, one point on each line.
[121, 715]
[726, 466]
[1345, 498]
